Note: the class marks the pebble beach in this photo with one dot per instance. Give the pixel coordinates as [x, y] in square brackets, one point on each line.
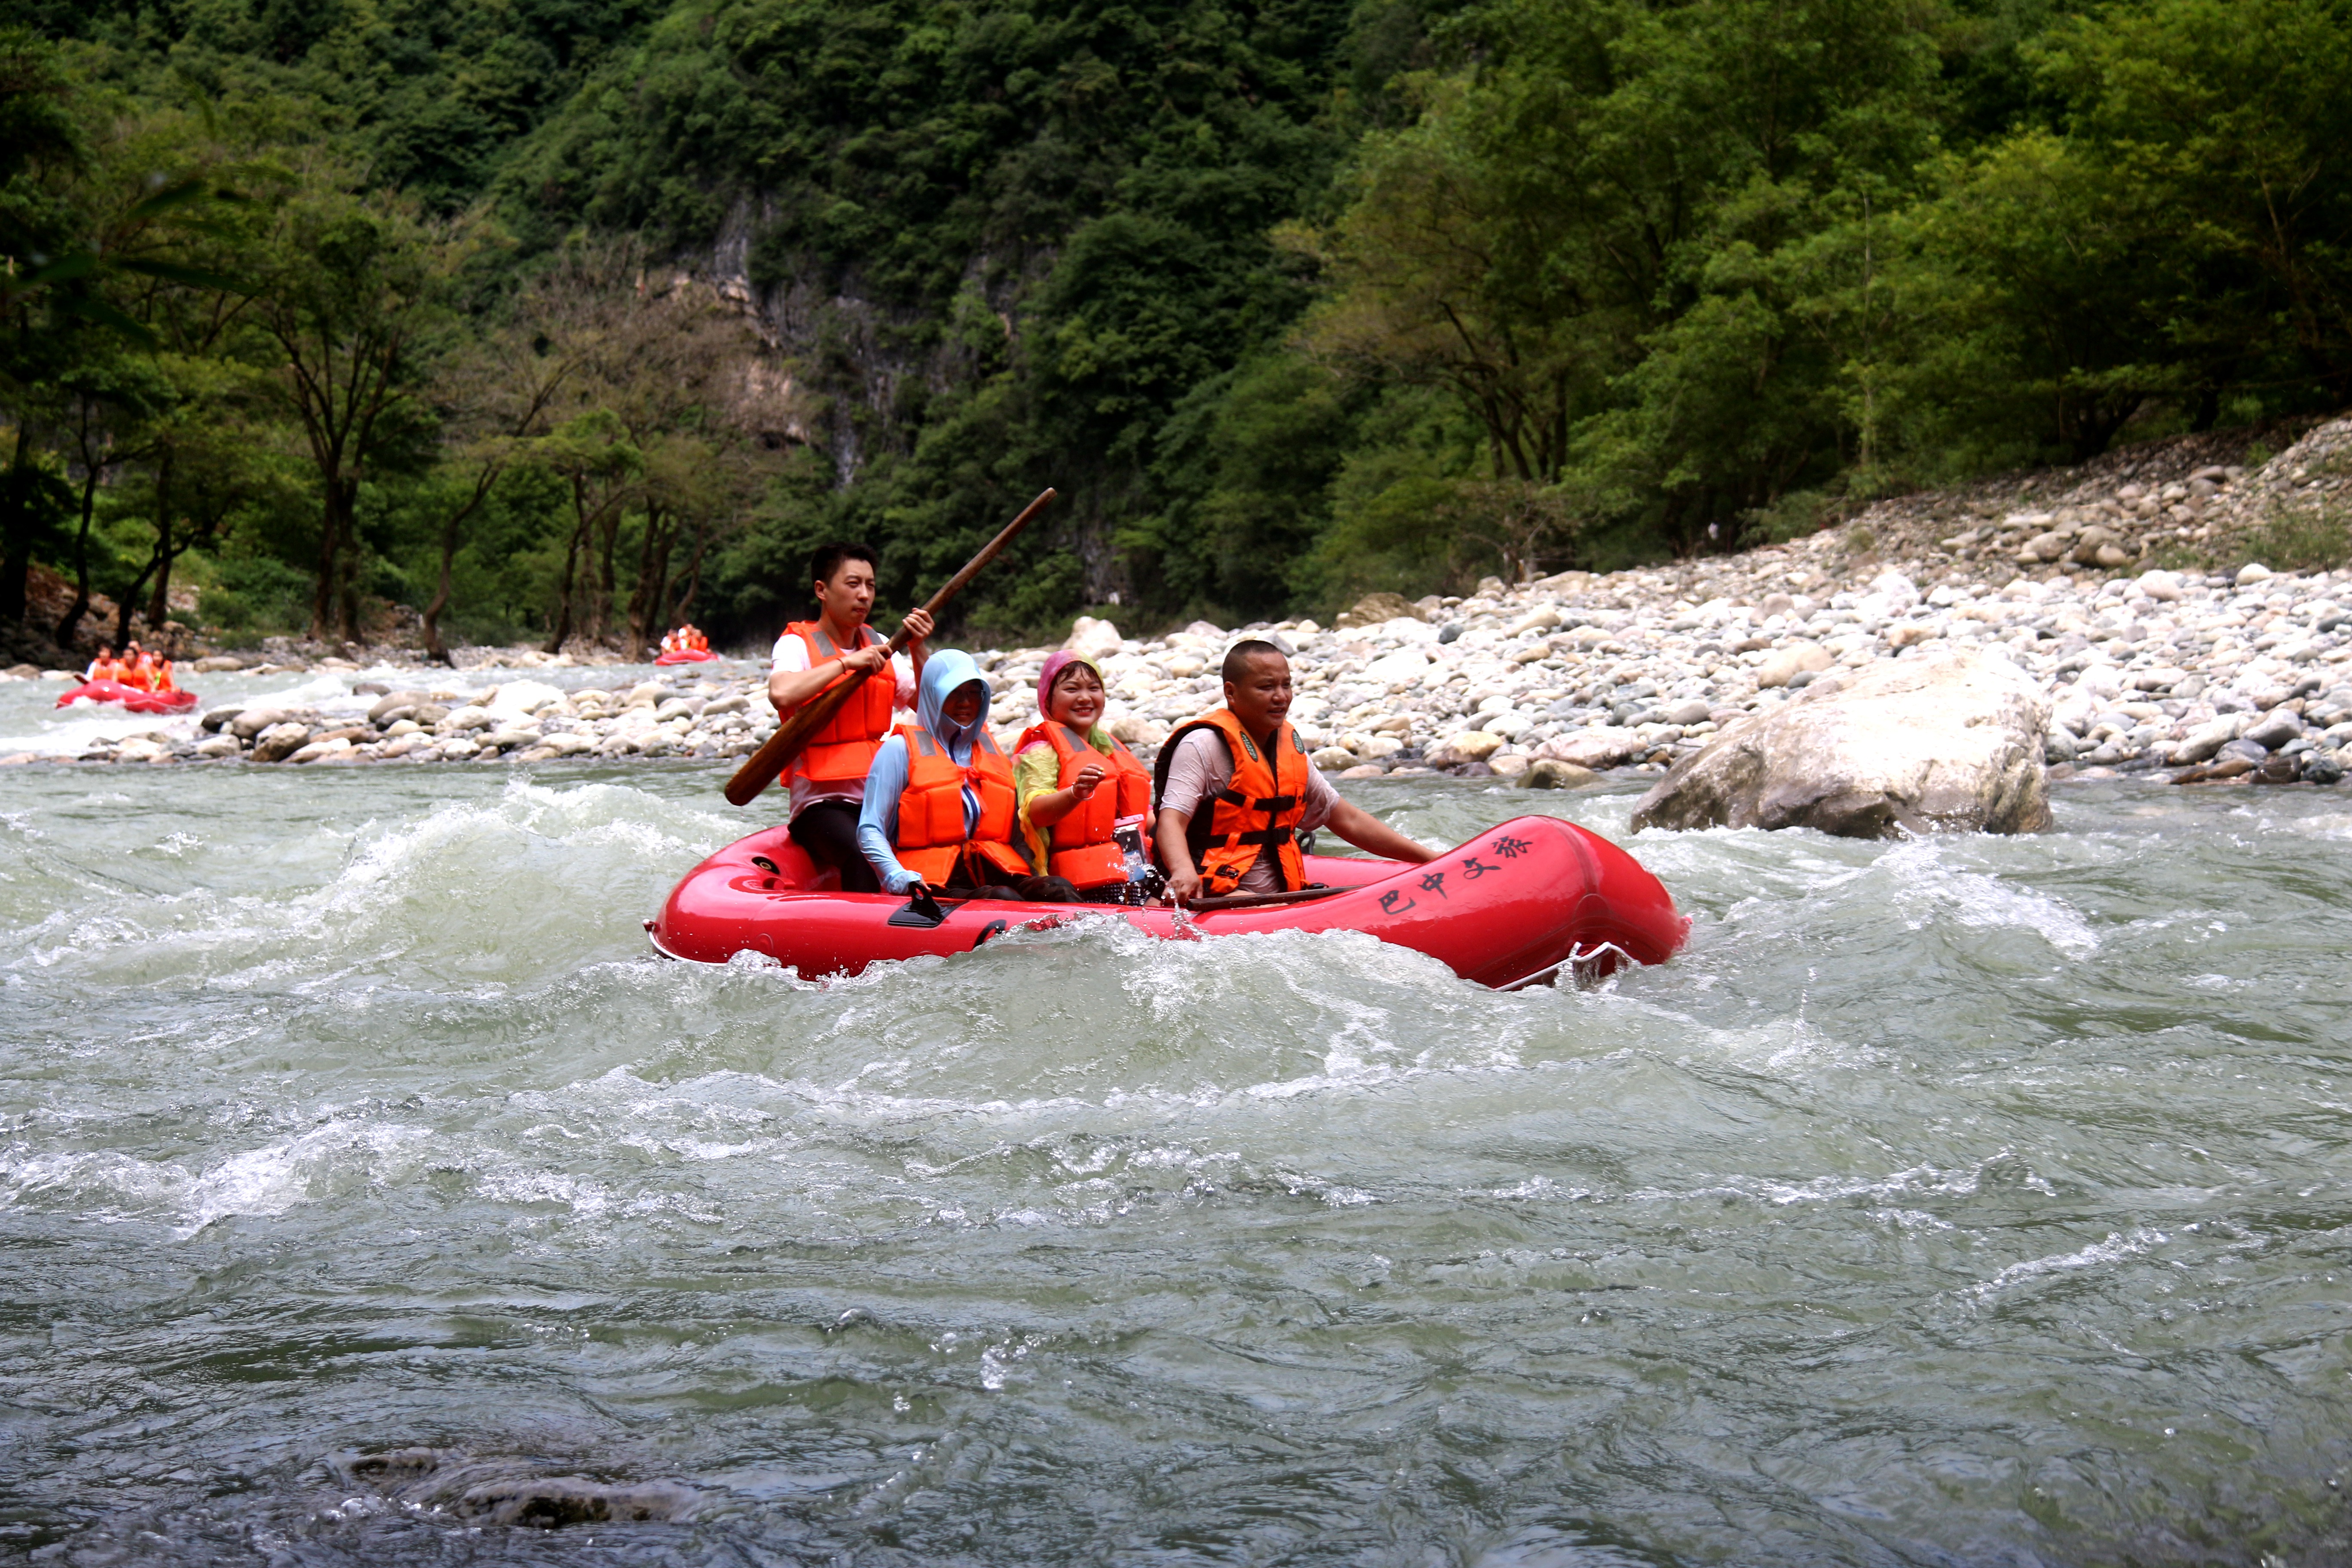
[2213, 675]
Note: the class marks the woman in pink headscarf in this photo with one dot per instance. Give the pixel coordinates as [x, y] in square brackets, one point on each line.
[1083, 798]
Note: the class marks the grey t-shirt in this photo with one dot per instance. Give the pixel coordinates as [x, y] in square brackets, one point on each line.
[1201, 766]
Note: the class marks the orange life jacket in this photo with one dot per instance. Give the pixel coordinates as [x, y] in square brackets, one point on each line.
[931, 839]
[1082, 846]
[844, 750]
[1260, 807]
[163, 681]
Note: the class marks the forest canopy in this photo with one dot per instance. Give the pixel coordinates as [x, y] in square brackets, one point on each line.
[564, 320]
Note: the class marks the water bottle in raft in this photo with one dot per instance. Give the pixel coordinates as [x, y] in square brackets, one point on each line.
[1128, 832]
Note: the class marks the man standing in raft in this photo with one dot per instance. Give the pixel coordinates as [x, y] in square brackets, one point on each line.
[828, 778]
[1244, 763]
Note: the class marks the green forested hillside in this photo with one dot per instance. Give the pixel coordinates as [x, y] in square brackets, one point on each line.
[566, 319]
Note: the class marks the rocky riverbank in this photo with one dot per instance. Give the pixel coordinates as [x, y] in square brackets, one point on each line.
[2243, 674]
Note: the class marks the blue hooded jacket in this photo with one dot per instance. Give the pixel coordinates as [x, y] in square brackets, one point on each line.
[886, 781]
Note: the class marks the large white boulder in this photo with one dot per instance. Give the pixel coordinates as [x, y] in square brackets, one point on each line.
[1091, 639]
[519, 697]
[1405, 664]
[1950, 741]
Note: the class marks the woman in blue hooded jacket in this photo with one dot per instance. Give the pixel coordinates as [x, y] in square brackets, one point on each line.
[939, 810]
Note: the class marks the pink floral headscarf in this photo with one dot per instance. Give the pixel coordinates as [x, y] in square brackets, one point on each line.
[1055, 664]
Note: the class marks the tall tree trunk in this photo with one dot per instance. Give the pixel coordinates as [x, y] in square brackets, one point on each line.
[599, 610]
[693, 572]
[571, 562]
[653, 577]
[122, 606]
[449, 527]
[68, 628]
[433, 649]
[347, 619]
[159, 603]
[331, 543]
[17, 528]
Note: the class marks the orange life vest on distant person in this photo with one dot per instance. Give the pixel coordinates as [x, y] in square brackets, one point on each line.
[931, 838]
[844, 750]
[1081, 846]
[1260, 807]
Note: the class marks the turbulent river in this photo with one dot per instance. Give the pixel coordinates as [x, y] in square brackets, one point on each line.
[1972, 1200]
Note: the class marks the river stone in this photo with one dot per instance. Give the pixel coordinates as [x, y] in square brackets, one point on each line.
[1951, 743]
[1091, 639]
[1803, 659]
[390, 703]
[1373, 608]
[280, 741]
[1547, 773]
[219, 746]
[2275, 729]
[1405, 664]
[1473, 745]
[252, 722]
[211, 722]
[1603, 746]
[551, 1503]
[516, 698]
[2200, 743]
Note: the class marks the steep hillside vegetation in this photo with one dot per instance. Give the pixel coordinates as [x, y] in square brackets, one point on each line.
[1291, 300]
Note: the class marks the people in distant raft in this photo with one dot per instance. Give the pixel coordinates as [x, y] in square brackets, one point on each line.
[1084, 801]
[1235, 791]
[829, 779]
[939, 809]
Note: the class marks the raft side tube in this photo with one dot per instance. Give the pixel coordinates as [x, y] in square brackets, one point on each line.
[1514, 906]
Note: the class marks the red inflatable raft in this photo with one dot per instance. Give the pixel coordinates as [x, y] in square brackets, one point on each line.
[139, 699]
[1513, 907]
[687, 656]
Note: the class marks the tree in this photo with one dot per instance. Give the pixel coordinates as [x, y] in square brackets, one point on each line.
[357, 305]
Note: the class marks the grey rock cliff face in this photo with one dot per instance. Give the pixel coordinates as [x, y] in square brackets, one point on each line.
[1916, 745]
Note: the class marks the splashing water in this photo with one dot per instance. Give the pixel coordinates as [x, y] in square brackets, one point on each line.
[1971, 1200]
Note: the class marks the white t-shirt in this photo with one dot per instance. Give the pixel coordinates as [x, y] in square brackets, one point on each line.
[1202, 766]
[792, 658]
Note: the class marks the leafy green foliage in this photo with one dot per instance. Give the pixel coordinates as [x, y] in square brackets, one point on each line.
[1289, 299]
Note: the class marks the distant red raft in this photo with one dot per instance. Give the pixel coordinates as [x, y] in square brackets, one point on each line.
[137, 699]
[687, 656]
[1513, 907]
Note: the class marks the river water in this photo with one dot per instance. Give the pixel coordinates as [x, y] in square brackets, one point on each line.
[1971, 1201]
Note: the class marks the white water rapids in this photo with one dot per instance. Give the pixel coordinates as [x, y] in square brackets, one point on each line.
[1971, 1201]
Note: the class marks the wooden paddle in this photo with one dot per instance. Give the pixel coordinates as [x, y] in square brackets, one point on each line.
[1259, 901]
[774, 756]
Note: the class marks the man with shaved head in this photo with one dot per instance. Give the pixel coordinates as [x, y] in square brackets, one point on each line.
[1234, 791]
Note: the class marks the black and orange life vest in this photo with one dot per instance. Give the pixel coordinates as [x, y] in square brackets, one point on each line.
[844, 750]
[931, 838]
[1259, 809]
[1082, 846]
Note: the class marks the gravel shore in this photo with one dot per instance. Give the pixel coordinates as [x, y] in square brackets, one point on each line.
[2220, 676]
